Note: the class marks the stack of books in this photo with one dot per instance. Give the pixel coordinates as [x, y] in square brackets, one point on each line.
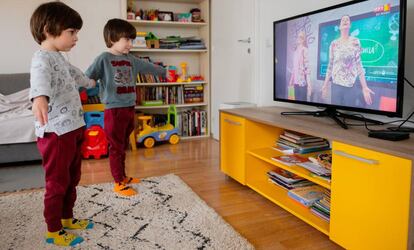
[322, 207]
[308, 195]
[300, 143]
[286, 179]
[177, 42]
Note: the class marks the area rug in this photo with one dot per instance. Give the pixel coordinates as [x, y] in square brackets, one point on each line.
[166, 214]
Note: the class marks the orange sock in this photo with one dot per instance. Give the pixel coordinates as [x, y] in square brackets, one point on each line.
[128, 180]
[124, 190]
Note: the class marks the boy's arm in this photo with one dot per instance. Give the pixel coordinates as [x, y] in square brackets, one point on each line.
[80, 79]
[95, 71]
[40, 88]
[148, 68]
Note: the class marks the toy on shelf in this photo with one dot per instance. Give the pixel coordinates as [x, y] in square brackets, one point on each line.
[149, 135]
[152, 41]
[172, 74]
[95, 143]
[196, 15]
[183, 77]
[139, 41]
[197, 78]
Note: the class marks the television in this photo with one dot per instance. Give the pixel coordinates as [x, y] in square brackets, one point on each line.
[345, 57]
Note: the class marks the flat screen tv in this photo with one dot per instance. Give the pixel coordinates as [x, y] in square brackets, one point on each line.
[345, 57]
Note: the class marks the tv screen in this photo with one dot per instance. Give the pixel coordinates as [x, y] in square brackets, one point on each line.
[349, 56]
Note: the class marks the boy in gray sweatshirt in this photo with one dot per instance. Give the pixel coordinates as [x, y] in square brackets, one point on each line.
[117, 72]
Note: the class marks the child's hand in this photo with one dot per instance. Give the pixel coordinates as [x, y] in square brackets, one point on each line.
[93, 83]
[40, 109]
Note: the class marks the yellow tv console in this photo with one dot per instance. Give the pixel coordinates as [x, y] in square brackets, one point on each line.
[371, 187]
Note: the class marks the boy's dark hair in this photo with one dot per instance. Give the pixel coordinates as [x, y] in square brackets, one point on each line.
[53, 17]
[116, 29]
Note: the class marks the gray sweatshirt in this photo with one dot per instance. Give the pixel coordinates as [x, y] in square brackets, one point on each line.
[54, 77]
[117, 76]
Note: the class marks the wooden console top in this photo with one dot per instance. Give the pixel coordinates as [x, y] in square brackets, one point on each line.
[326, 128]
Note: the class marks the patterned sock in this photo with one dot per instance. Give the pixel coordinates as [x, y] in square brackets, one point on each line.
[72, 223]
[63, 238]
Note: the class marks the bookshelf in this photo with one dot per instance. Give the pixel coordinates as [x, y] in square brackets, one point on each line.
[198, 60]
[371, 190]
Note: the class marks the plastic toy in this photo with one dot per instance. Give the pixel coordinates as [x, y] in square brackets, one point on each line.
[149, 135]
[172, 74]
[83, 95]
[95, 143]
[183, 77]
[94, 118]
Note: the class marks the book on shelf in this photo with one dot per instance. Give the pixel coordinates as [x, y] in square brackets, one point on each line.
[152, 103]
[321, 177]
[285, 176]
[193, 122]
[322, 159]
[297, 135]
[307, 141]
[283, 149]
[303, 146]
[301, 150]
[290, 160]
[315, 168]
[320, 214]
[306, 195]
[288, 186]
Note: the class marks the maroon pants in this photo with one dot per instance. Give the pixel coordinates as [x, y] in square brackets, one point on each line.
[119, 124]
[62, 163]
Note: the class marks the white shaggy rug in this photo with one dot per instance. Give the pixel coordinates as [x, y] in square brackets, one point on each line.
[166, 214]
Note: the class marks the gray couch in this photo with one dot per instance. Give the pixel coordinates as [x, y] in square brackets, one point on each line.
[19, 152]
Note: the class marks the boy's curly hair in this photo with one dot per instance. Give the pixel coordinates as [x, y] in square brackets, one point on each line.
[116, 29]
[53, 18]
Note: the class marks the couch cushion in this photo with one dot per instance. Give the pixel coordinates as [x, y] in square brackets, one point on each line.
[11, 83]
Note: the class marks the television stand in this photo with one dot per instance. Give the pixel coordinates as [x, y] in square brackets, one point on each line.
[334, 115]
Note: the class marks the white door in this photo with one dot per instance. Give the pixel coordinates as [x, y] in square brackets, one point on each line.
[232, 56]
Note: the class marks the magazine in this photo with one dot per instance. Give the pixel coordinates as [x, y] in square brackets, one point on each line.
[290, 160]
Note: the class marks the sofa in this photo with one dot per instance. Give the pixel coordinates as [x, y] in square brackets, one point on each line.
[16, 152]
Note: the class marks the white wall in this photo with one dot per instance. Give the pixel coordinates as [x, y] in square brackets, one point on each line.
[270, 10]
[17, 44]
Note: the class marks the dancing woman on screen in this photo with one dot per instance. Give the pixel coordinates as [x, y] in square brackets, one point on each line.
[300, 69]
[344, 67]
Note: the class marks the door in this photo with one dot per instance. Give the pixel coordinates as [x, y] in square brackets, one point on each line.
[232, 55]
[232, 147]
[370, 199]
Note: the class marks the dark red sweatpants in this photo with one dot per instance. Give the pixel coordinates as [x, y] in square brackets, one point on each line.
[118, 125]
[62, 163]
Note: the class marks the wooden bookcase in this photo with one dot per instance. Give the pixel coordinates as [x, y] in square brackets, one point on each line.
[371, 187]
[198, 61]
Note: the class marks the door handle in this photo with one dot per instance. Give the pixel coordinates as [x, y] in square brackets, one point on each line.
[232, 122]
[355, 157]
[248, 40]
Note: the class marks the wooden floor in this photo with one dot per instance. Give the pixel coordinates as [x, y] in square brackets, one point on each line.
[263, 223]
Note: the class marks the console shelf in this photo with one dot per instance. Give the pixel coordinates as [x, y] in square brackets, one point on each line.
[266, 154]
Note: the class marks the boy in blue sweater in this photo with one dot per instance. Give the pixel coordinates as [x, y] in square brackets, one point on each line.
[117, 71]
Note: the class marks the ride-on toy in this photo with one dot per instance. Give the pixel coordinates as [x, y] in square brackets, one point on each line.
[149, 135]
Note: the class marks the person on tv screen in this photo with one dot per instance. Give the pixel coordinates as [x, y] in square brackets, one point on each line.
[300, 69]
[344, 67]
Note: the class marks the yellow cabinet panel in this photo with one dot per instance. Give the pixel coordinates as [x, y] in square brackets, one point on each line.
[370, 199]
[232, 146]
